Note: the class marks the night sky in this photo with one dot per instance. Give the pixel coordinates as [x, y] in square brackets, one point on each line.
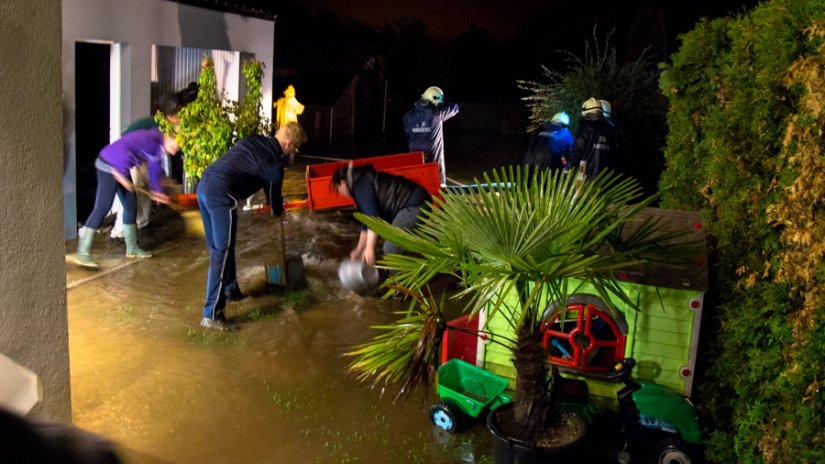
[503, 18]
[444, 18]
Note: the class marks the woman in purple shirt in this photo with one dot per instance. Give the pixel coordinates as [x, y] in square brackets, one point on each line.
[138, 147]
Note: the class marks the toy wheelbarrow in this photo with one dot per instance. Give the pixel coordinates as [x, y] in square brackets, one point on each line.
[465, 391]
[288, 272]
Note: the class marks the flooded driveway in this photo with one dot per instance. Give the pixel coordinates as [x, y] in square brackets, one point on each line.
[145, 375]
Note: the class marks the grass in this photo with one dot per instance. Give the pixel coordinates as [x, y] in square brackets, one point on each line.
[124, 315]
[208, 337]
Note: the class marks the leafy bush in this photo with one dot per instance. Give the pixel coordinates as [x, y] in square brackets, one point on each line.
[745, 146]
[211, 124]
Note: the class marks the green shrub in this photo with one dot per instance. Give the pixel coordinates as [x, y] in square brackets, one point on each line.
[744, 146]
[211, 124]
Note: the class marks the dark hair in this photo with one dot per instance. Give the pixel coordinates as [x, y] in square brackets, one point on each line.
[167, 105]
[339, 175]
[187, 95]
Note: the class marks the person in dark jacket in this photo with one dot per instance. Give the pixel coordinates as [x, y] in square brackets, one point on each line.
[595, 142]
[424, 127]
[254, 163]
[393, 198]
[551, 144]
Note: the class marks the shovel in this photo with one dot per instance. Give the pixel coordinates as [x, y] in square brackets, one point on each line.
[289, 272]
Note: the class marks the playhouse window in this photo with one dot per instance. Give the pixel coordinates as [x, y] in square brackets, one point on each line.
[583, 338]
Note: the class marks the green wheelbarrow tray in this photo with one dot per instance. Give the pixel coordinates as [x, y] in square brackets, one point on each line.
[471, 388]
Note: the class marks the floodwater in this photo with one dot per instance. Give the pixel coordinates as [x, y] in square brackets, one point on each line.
[145, 375]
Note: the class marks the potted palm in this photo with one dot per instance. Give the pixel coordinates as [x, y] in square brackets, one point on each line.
[514, 246]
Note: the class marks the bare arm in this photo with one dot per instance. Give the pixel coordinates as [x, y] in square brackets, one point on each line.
[124, 181]
[365, 249]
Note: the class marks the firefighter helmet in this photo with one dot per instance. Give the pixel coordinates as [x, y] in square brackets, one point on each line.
[561, 118]
[591, 109]
[433, 95]
[606, 108]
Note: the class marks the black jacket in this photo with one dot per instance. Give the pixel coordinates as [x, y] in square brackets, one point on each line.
[383, 195]
[595, 143]
[254, 163]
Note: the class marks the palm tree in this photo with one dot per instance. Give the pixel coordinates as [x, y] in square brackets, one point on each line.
[514, 245]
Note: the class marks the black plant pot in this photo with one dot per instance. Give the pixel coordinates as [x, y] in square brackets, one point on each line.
[509, 450]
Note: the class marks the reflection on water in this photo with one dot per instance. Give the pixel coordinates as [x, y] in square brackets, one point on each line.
[145, 375]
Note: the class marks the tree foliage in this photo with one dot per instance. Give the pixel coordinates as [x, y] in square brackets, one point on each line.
[632, 88]
[211, 124]
[745, 146]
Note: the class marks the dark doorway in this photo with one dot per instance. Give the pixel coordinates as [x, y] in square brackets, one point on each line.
[91, 118]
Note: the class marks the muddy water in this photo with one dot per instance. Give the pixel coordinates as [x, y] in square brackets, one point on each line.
[276, 391]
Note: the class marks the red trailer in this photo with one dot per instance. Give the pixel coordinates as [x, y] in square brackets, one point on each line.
[409, 165]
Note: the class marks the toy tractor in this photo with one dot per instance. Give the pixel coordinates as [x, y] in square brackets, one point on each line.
[653, 417]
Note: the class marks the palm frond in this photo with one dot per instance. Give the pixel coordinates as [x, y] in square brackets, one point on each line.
[523, 233]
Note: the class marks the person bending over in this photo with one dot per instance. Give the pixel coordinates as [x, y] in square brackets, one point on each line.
[395, 199]
[254, 163]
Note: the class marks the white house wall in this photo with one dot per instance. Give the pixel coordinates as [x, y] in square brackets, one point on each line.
[132, 27]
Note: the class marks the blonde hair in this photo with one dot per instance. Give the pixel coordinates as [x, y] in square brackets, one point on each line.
[293, 132]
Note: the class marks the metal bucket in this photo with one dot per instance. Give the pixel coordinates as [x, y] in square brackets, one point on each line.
[357, 276]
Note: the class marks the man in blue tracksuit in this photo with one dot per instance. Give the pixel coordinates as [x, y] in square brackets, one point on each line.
[254, 163]
[424, 126]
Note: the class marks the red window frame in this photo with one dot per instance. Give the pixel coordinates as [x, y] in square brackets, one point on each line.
[580, 353]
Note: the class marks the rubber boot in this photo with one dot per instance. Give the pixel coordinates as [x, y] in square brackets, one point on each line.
[132, 248]
[83, 257]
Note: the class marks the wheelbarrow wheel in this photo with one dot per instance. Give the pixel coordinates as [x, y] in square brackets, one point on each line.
[446, 415]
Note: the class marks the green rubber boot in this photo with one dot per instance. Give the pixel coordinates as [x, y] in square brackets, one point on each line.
[132, 248]
[83, 257]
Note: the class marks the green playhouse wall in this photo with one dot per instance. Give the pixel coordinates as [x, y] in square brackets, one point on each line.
[662, 336]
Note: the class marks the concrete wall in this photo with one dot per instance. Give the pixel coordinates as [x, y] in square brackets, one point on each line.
[132, 27]
[33, 323]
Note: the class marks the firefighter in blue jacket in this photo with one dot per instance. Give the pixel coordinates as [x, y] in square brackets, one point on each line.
[254, 163]
[423, 124]
[551, 144]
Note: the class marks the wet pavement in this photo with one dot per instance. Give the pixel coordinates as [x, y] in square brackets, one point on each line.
[145, 375]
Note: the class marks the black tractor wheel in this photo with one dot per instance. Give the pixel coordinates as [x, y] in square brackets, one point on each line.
[446, 415]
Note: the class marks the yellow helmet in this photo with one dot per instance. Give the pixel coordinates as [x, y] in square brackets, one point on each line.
[591, 109]
[433, 95]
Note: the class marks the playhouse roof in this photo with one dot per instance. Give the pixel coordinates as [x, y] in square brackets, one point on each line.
[690, 276]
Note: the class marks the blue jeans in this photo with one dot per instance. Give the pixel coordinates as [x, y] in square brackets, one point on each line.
[407, 218]
[107, 187]
[220, 223]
